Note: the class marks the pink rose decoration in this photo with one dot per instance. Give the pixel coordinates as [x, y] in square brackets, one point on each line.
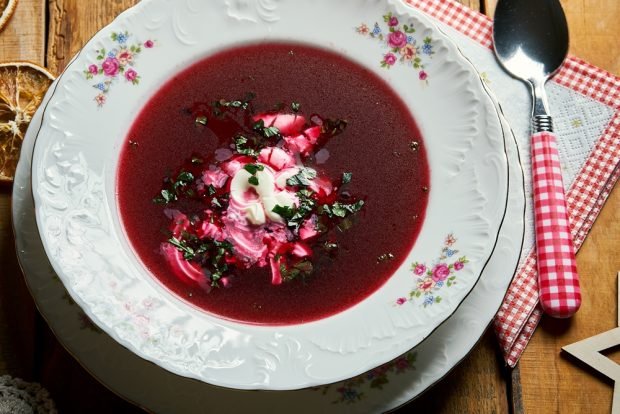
[393, 21]
[423, 75]
[458, 265]
[124, 57]
[440, 272]
[131, 75]
[148, 44]
[408, 52]
[400, 301]
[93, 69]
[389, 58]
[110, 66]
[426, 285]
[397, 39]
[419, 269]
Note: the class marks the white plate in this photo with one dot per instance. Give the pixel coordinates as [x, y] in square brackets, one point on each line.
[160, 391]
[74, 181]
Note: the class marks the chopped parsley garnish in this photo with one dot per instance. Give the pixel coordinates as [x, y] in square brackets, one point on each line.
[334, 126]
[201, 120]
[295, 106]
[253, 168]
[267, 132]
[208, 253]
[197, 160]
[211, 189]
[181, 245]
[346, 177]
[303, 269]
[241, 143]
[339, 209]
[216, 203]
[285, 212]
[243, 104]
[295, 216]
[175, 188]
[302, 178]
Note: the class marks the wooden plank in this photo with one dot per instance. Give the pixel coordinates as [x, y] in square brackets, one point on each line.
[477, 385]
[550, 380]
[24, 36]
[22, 39]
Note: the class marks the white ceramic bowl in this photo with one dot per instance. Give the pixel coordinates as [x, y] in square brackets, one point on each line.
[74, 168]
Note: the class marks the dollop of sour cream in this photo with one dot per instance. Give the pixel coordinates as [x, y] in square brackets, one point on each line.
[257, 201]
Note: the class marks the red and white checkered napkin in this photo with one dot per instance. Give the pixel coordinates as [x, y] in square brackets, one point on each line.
[592, 180]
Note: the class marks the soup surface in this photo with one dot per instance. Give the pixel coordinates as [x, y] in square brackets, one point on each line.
[273, 184]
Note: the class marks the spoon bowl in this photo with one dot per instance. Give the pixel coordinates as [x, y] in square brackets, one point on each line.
[531, 37]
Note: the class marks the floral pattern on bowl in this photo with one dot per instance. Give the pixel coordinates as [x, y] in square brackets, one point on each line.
[352, 390]
[116, 63]
[430, 280]
[402, 45]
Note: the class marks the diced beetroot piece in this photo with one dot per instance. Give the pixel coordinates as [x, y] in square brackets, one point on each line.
[322, 186]
[298, 144]
[276, 275]
[308, 230]
[281, 176]
[210, 230]
[301, 249]
[179, 224]
[184, 270]
[214, 176]
[267, 119]
[236, 163]
[288, 124]
[276, 158]
[313, 134]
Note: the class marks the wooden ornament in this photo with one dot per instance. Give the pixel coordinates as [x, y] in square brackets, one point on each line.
[589, 352]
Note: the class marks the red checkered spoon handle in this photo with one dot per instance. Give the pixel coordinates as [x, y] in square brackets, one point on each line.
[558, 282]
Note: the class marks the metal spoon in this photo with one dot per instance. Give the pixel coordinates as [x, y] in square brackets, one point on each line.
[531, 42]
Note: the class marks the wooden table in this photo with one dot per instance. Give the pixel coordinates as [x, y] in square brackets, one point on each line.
[50, 32]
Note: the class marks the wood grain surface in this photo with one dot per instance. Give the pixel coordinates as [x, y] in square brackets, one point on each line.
[547, 382]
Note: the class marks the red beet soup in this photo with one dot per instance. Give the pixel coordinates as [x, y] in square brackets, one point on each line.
[273, 184]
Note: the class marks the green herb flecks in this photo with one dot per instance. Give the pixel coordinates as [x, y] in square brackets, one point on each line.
[175, 188]
[334, 127]
[242, 146]
[209, 254]
[303, 269]
[253, 169]
[295, 106]
[346, 177]
[267, 132]
[302, 178]
[201, 120]
[342, 210]
[295, 216]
